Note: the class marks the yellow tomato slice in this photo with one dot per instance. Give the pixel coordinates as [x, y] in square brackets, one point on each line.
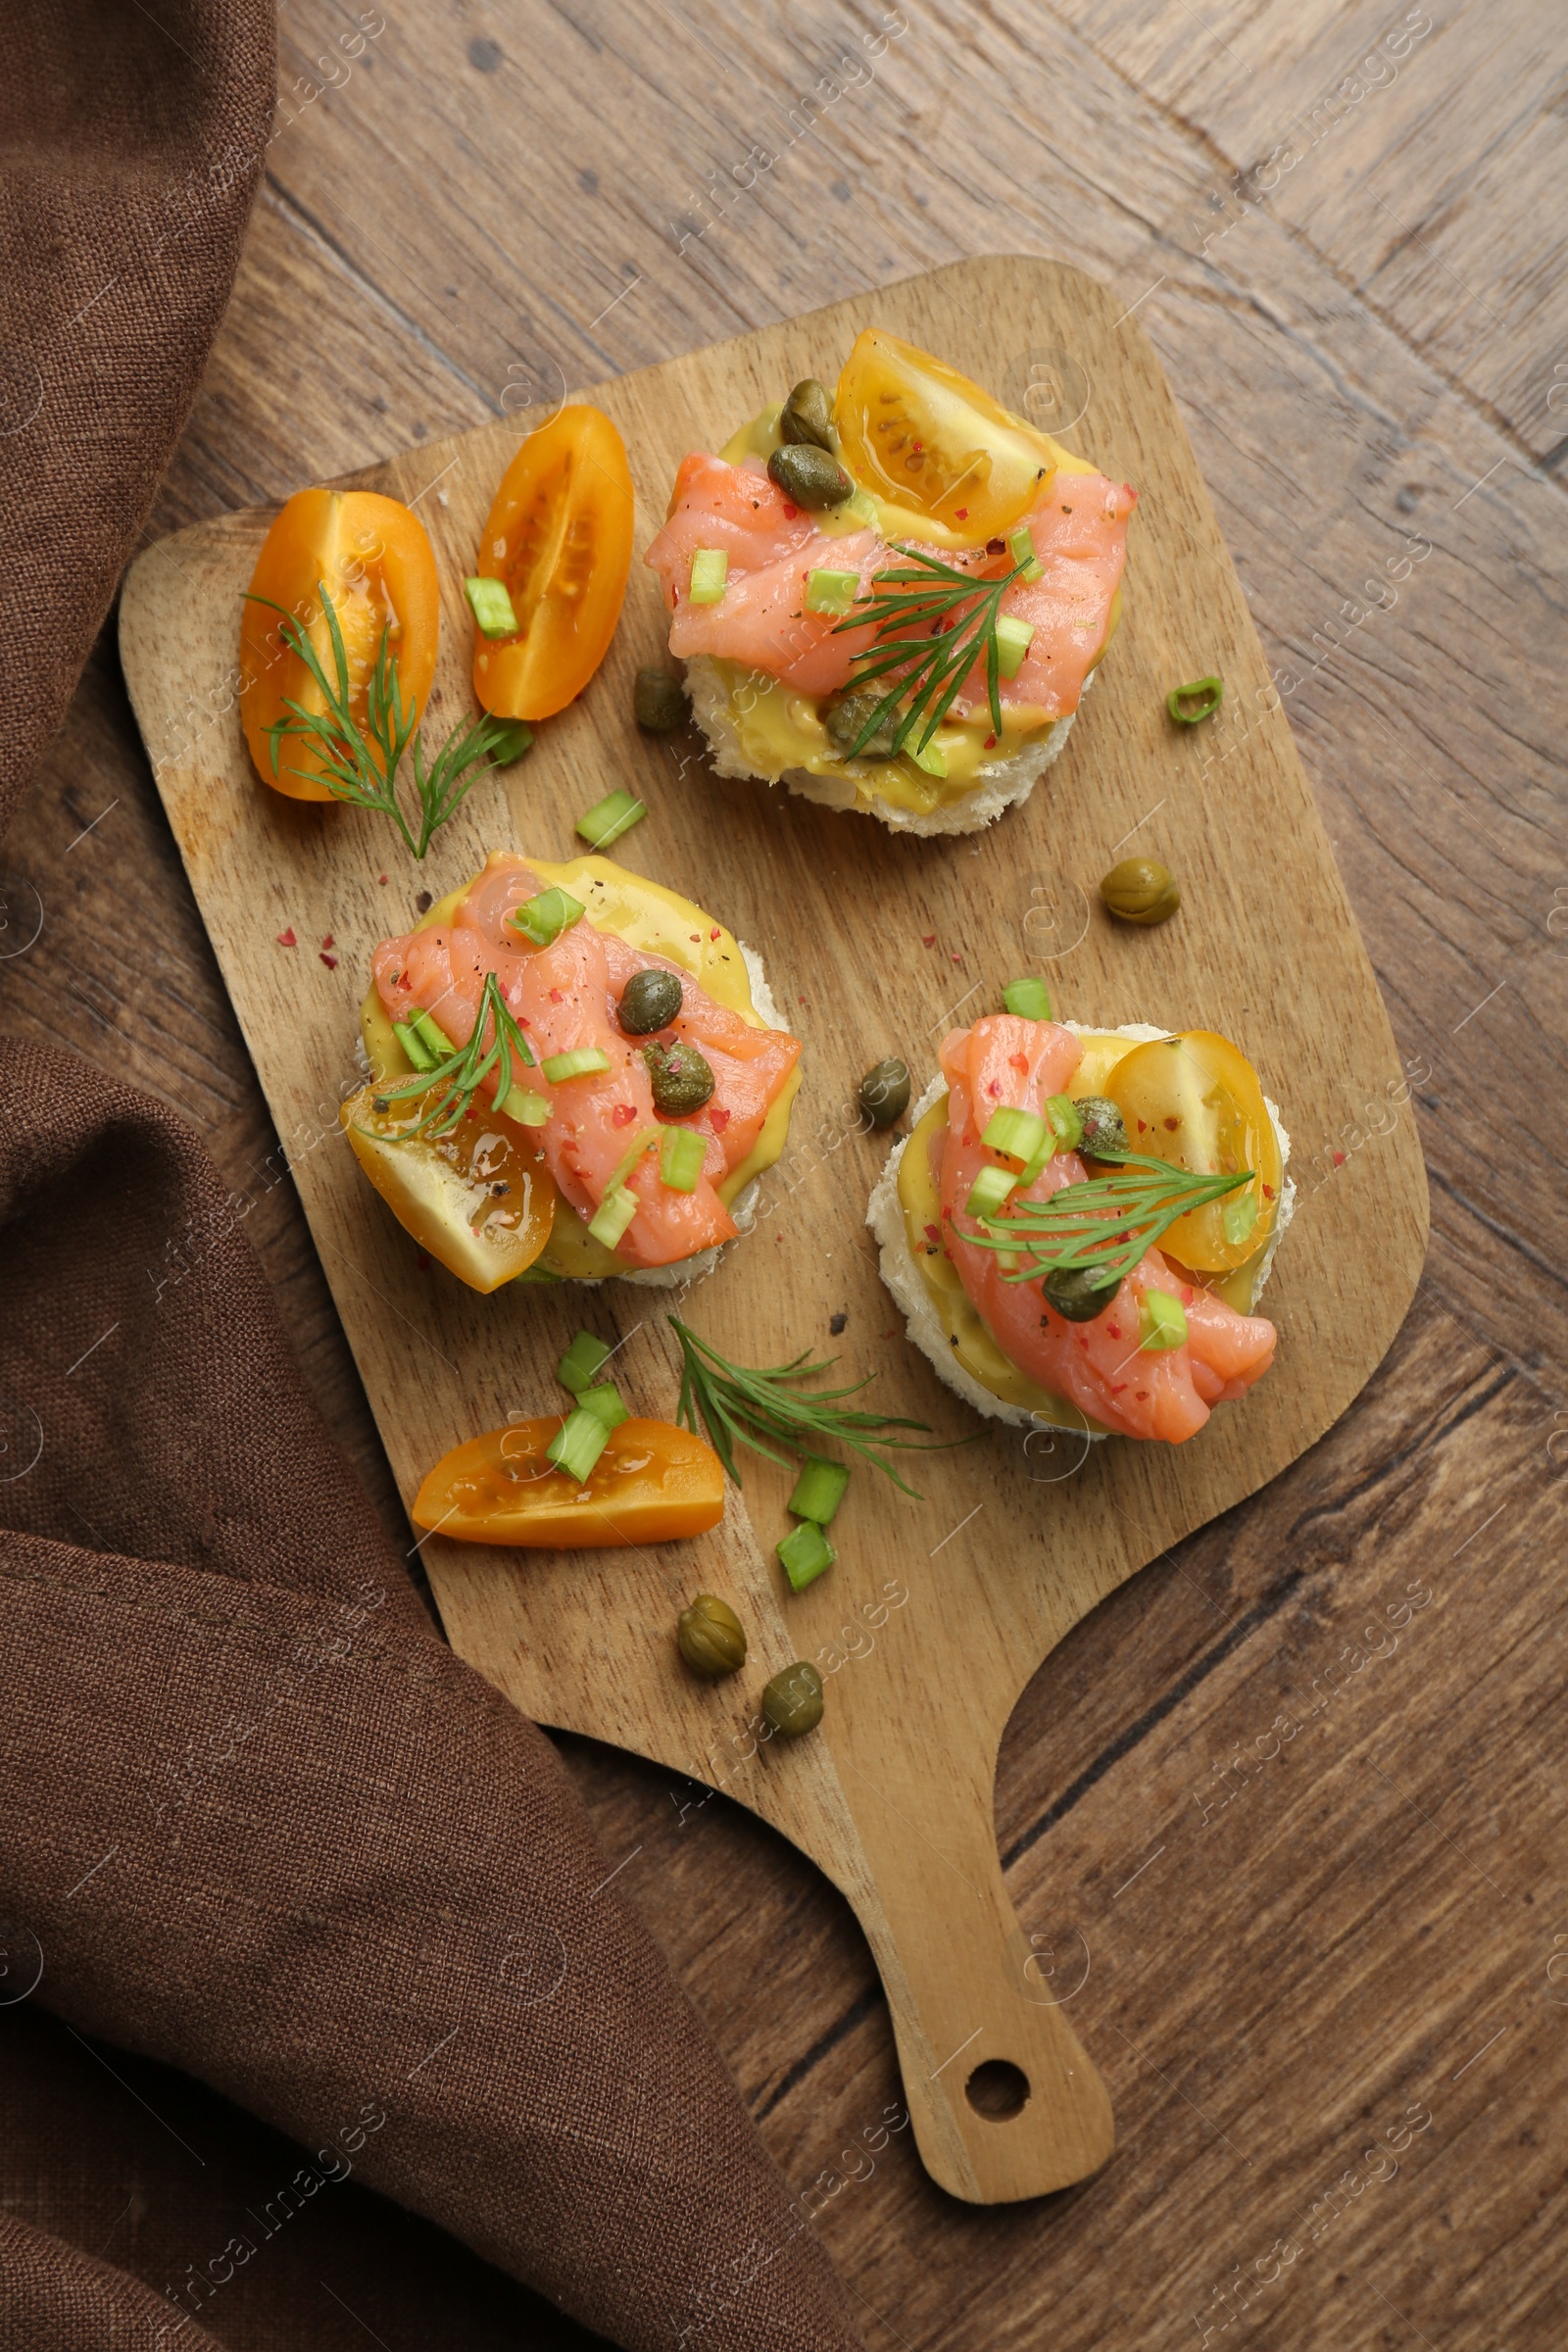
[373, 555]
[480, 1199]
[919, 434]
[652, 1482]
[1196, 1101]
[559, 536]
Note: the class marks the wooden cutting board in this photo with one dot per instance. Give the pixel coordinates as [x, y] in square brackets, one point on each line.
[939, 1610]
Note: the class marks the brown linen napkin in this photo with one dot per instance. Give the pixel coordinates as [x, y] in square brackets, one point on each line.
[256, 1820]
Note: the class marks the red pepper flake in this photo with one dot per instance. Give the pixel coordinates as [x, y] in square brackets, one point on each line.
[928, 939]
[960, 514]
[1339, 1159]
[1019, 1062]
[1120, 1391]
[1114, 1330]
[329, 941]
[1268, 1191]
[1082, 1342]
[990, 743]
[718, 1120]
[916, 447]
[1187, 1297]
[996, 547]
[383, 877]
[1142, 1394]
[286, 939]
[555, 997]
[695, 938]
[789, 512]
[993, 1086]
[713, 934]
[947, 1212]
[933, 1233]
[1171, 1126]
[623, 1114]
[330, 961]
[1140, 1126]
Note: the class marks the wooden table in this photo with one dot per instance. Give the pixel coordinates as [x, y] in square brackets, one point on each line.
[1296, 1790]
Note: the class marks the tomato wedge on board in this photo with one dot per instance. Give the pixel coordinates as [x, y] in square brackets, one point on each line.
[376, 563]
[1195, 1101]
[921, 435]
[559, 536]
[652, 1482]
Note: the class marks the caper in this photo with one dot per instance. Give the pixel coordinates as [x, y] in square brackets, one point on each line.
[658, 702]
[883, 1094]
[649, 1001]
[1078, 1293]
[1141, 891]
[710, 1637]
[682, 1079]
[846, 722]
[812, 477]
[807, 414]
[793, 1700]
[1105, 1129]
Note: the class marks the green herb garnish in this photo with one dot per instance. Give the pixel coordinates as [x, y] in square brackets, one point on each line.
[359, 765]
[933, 624]
[805, 1554]
[578, 1443]
[1198, 699]
[456, 1081]
[759, 1408]
[1104, 1225]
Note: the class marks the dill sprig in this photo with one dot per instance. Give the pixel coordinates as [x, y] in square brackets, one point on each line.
[456, 1080]
[1104, 1225]
[363, 771]
[756, 1405]
[934, 623]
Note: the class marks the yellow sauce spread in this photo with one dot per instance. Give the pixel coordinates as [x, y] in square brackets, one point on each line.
[967, 1333]
[659, 922]
[777, 728]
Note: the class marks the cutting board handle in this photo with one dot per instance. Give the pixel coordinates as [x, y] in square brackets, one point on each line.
[1003, 2101]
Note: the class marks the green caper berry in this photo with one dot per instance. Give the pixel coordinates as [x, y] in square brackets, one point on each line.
[682, 1079]
[1141, 891]
[793, 1700]
[807, 414]
[1078, 1293]
[1105, 1129]
[845, 720]
[710, 1637]
[658, 702]
[812, 477]
[649, 1001]
[883, 1094]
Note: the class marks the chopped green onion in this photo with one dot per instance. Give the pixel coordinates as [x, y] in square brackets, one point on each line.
[509, 739]
[608, 820]
[1012, 643]
[831, 591]
[989, 1190]
[805, 1554]
[1239, 1216]
[1066, 1122]
[819, 1489]
[491, 607]
[681, 1151]
[415, 1047]
[1021, 548]
[1017, 1133]
[927, 756]
[583, 1363]
[1030, 999]
[578, 1444]
[604, 1399]
[710, 570]
[521, 1104]
[544, 918]
[433, 1039]
[583, 1061]
[613, 1216]
[1161, 1322]
[1199, 700]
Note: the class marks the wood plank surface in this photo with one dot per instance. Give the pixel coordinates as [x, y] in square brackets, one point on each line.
[1350, 1925]
[888, 936]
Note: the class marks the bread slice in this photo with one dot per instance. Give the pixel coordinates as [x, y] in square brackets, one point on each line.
[1001, 784]
[885, 1216]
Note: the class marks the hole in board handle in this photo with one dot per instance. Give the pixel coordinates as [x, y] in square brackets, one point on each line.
[998, 2089]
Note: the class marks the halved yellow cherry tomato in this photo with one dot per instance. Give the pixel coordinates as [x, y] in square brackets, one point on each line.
[377, 565]
[919, 434]
[1195, 1101]
[480, 1199]
[652, 1483]
[559, 536]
